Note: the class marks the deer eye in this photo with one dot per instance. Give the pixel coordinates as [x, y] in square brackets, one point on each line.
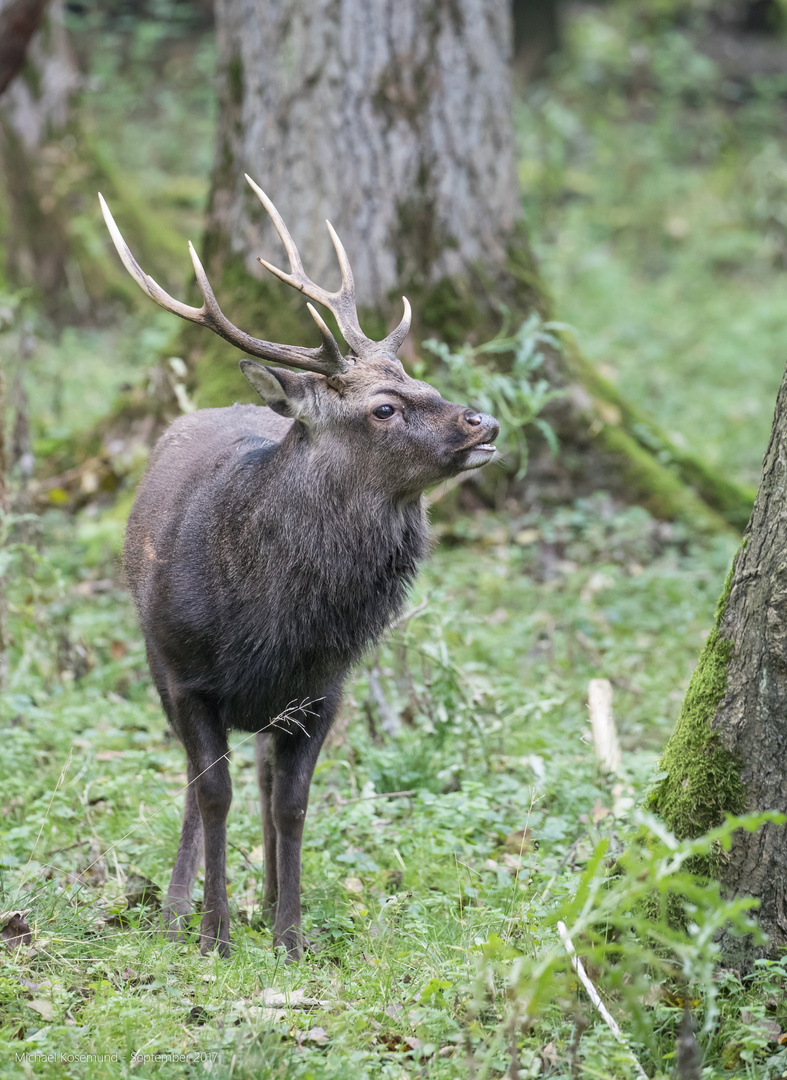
[384, 412]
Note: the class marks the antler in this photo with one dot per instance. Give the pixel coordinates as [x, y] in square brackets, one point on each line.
[341, 304]
[327, 359]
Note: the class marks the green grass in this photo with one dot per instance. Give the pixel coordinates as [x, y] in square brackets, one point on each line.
[419, 909]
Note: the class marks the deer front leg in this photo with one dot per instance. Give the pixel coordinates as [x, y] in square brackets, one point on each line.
[265, 781]
[177, 906]
[292, 755]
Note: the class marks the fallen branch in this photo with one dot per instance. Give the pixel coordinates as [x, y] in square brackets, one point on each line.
[593, 994]
[605, 736]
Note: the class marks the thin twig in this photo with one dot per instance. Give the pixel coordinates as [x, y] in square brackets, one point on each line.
[409, 614]
[594, 996]
[366, 798]
[286, 715]
[60, 780]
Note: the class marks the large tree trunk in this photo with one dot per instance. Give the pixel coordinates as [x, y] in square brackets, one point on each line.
[729, 749]
[34, 119]
[394, 121]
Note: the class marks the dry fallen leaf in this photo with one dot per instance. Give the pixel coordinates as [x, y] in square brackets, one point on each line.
[518, 842]
[353, 885]
[316, 1035]
[600, 812]
[397, 1043]
[769, 1028]
[527, 536]
[15, 931]
[549, 1056]
[43, 1007]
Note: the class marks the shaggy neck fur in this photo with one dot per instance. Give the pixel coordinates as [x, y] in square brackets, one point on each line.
[299, 563]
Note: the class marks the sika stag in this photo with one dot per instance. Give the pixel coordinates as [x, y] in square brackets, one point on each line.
[266, 550]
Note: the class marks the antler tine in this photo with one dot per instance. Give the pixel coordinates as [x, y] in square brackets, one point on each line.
[348, 281]
[326, 360]
[296, 266]
[150, 287]
[346, 310]
[395, 339]
[341, 304]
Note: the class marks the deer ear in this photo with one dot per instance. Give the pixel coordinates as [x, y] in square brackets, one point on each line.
[283, 391]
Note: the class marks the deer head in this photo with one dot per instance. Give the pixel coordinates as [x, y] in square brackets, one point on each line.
[411, 437]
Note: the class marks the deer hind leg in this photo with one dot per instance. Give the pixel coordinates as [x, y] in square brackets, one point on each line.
[197, 725]
[265, 781]
[177, 906]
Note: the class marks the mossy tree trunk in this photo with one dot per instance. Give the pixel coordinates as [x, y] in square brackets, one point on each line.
[728, 753]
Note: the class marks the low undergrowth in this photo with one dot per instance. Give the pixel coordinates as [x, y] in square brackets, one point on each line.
[458, 814]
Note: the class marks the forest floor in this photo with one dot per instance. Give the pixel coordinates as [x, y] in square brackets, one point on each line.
[458, 812]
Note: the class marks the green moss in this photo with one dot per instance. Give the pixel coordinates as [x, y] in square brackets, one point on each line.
[470, 308]
[265, 309]
[450, 310]
[730, 500]
[31, 75]
[703, 781]
[655, 486]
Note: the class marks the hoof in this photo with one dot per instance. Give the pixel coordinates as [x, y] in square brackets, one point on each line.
[175, 915]
[214, 934]
[291, 942]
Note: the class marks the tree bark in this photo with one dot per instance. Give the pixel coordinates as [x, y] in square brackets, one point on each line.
[19, 20]
[34, 118]
[729, 748]
[393, 120]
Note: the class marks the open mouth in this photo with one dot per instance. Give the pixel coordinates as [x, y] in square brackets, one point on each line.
[482, 447]
[473, 457]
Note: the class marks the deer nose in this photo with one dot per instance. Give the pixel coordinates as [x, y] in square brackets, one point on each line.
[476, 419]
